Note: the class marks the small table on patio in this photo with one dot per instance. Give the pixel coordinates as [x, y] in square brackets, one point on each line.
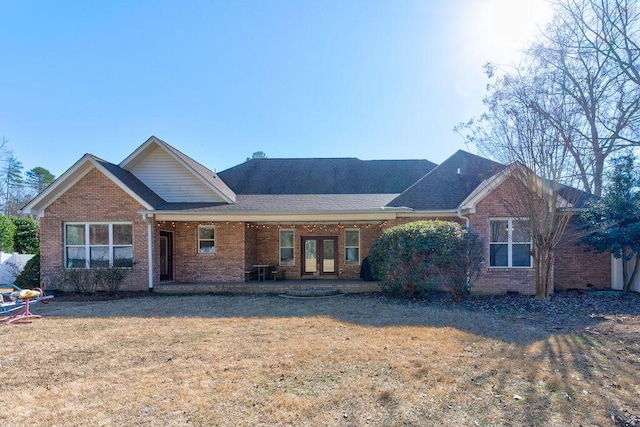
[263, 269]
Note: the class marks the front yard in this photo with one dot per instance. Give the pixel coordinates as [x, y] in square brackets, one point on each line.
[353, 360]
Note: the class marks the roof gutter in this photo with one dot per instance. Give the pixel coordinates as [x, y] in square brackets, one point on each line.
[428, 214]
[316, 216]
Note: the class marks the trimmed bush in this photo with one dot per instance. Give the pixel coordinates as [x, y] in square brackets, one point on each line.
[7, 232]
[29, 277]
[91, 281]
[26, 239]
[412, 259]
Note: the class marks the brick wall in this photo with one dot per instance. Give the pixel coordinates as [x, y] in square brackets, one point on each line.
[225, 265]
[575, 266]
[579, 267]
[93, 199]
[498, 204]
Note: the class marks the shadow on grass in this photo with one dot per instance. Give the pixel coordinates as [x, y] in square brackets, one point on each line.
[573, 360]
[508, 318]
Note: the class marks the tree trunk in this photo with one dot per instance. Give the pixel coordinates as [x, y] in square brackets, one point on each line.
[625, 271]
[543, 266]
[628, 283]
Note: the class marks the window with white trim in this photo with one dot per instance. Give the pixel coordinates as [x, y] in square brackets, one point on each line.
[287, 247]
[98, 245]
[206, 239]
[509, 244]
[352, 246]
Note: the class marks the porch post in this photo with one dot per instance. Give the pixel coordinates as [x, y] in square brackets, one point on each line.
[148, 220]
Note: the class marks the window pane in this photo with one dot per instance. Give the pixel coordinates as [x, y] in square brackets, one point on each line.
[499, 231]
[286, 256]
[498, 255]
[99, 234]
[520, 233]
[123, 256]
[352, 238]
[122, 234]
[286, 238]
[206, 246]
[205, 233]
[76, 258]
[328, 249]
[99, 257]
[521, 256]
[353, 255]
[75, 234]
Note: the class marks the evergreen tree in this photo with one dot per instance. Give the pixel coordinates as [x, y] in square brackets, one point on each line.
[38, 179]
[14, 185]
[613, 221]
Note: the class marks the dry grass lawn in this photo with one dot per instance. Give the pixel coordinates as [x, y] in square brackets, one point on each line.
[348, 361]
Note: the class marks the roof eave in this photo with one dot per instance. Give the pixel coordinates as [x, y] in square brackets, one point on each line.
[68, 179]
[252, 216]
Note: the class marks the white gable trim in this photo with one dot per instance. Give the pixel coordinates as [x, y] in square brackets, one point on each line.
[468, 205]
[141, 151]
[70, 178]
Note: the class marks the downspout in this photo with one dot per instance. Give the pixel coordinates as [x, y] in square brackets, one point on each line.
[466, 218]
[147, 219]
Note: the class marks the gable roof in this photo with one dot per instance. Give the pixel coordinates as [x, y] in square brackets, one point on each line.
[567, 197]
[324, 176]
[122, 178]
[448, 184]
[200, 172]
[136, 186]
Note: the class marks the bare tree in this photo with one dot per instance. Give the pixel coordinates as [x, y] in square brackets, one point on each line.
[609, 27]
[515, 131]
[574, 53]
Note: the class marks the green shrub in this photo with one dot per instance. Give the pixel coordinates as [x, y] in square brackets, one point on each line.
[30, 276]
[26, 239]
[7, 231]
[414, 258]
[90, 281]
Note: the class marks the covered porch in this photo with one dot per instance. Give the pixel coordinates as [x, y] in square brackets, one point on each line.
[229, 256]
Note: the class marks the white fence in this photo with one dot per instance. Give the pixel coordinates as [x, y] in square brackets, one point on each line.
[11, 265]
[616, 274]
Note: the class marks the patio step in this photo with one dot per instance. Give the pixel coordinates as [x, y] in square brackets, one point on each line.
[268, 287]
[310, 293]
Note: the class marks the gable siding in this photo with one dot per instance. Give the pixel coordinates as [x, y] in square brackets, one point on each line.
[171, 180]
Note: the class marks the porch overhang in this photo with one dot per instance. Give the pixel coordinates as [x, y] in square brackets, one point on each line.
[289, 217]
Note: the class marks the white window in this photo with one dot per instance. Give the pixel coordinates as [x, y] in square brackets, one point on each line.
[352, 246]
[206, 239]
[287, 249]
[98, 245]
[509, 244]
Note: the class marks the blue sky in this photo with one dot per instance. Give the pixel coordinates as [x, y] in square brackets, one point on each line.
[220, 80]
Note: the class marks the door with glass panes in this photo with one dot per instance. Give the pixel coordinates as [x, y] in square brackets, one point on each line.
[319, 255]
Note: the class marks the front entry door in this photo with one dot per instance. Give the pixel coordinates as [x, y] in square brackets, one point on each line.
[166, 255]
[319, 255]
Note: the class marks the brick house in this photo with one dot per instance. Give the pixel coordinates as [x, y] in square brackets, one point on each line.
[174, 220]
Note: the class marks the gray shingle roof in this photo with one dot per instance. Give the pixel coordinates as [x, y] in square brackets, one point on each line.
[324, 176]
[444, 188]
[289, 203]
